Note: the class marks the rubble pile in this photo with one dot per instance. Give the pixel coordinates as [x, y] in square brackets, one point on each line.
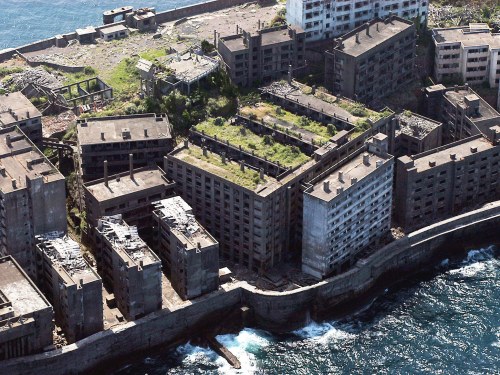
[448, 15]
[33, 75]
[414, 126]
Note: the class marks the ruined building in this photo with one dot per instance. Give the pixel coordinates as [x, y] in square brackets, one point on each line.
[331, 18]
[415, 134]
[438, 183]
[264, 56]
[189, 252]
[16, 109]
[70, 284]
[128, 267]
[25, 314]
[467, 53]
[32, 197]
[347, 209]
[147, 136]
[373, 60]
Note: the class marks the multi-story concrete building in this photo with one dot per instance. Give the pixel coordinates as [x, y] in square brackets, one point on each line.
[128, 267]
[129, 194]
[16, 109]
[347, 210]
[444, 181]
[373, 60]
[416, 134]
[25, 314]
[467, 53]
[462, 112]
[331, 18]
[70, 284]
[264, 56]
[32, 196]
[148, 137]
[188, 251]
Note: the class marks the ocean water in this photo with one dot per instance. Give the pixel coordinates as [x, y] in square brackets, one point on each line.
[447, 324]
[26, 21]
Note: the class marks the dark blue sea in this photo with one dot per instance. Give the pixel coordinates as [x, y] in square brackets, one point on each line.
[446, 324]
[26, 21]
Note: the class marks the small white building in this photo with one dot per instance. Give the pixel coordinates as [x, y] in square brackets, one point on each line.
[331, 18]
[114, 32]
[470, 54]
[347, 210]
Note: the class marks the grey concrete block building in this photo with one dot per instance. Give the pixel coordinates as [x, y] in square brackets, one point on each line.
[373, 60]
[16, 109]
[347, 210]
[70, 284]
[190, 254]
[26, 317]
[147, 137]
[128, 267]
[415, 134]
[32, 197]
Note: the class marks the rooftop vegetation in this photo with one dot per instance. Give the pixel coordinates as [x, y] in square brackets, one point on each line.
[229, 170]
[263, 146]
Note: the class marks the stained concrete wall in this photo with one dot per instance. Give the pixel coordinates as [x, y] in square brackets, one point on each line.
[273, 310]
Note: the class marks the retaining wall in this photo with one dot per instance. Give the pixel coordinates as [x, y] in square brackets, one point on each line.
[273, 310]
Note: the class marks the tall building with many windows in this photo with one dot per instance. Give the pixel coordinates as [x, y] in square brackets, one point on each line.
[331, 18]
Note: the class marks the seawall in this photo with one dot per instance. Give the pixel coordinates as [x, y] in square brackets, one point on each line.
[277, 311]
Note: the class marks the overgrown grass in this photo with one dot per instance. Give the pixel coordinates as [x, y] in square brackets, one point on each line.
[124, 78]
[153, 54]
[5, 71]
[237, 135]
[87, 73]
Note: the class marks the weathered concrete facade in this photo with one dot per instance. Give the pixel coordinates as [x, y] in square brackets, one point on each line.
[416, 134]
[129, 267]
[25, 315]
[33, 197]
[70, 284]
[188, 251]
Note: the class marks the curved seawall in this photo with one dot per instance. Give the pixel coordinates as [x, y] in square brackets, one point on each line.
[277, 311]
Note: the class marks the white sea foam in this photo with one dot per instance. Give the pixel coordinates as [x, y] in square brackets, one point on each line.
[475, 262]
[323, 333]
[194, 353]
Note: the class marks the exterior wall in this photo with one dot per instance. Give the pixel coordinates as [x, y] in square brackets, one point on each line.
[331, 18]
[437, 192]
[376, 73]
[113, 35]
[32, 127]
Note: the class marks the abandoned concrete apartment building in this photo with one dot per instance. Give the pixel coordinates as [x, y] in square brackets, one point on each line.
[73, 288]
[128, 267]
[148, 137]
[189, 253]
[32, 197]
[269, 54]
[16, 109]
[373, 60]
[467, 53]
[347, 209]
[415, 134]
[25, 314]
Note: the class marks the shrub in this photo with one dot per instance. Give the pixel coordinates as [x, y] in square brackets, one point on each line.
[331, 129]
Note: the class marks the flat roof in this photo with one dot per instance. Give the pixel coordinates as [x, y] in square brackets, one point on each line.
[126, 241]
[66, 254]
[178, 215]
[386, 30]
[190, 67]
[441, 155]
[230, 170]
[234, 43]
[415, 125]
[86, 30]
[468, 36]
[485, 110]
[15, 107]
[19, 289]
[123, 129]
[143, 181]
[354, 168]
[22, 159]
[275, 37]
[113, 28]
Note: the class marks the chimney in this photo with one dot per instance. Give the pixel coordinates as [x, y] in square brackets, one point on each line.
[81, 282]
[105, 173]
[102, 136]
[366, 158]
[357, 38]
[261, 173]
[204, 151]
[379, 163]
[186, 143]
[326, 186]
[258, 28]
[473, 150]
[242, 166]
[340, 189]
[27, 114]
[368, 28]
[354, 180]
[313, 89]
[377, 26]
[7, 141]
[131, 165]
[341, 176]
[14, 183]
[223, 157]
[145, 133]
[432, 163]
[453, 156]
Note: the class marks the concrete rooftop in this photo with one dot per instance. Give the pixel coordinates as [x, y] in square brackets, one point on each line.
[415, 125]
[113, 29]
[469, 37]
[19, 289]
[15, 160]
[16, 105]
[485, 110]
[352, 169]
[190, 67]
[123, 129]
